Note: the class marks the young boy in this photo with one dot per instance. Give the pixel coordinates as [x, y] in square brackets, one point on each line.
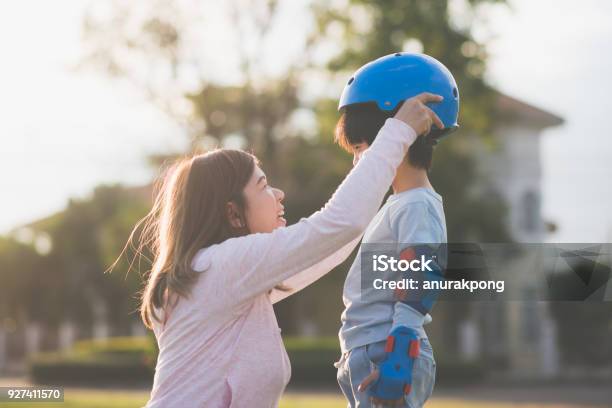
[386, 356]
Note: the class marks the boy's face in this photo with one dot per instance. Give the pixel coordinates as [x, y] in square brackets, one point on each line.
[358, 150]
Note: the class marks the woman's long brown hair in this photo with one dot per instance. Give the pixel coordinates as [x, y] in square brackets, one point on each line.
[189, 213]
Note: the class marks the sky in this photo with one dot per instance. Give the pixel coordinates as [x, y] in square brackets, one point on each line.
[63, 130]
[555, 54]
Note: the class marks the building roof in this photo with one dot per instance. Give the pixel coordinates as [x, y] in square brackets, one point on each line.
[513, 110]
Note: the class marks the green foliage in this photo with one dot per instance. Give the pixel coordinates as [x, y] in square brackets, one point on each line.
[119, 346]
[312, 358]
[373, 28]
[131, 360]
[19, 273]
[90, 371]
[299, 344]
[256, 115]
[89, 235]
[259, 109]
[119, 360]
[86, 238]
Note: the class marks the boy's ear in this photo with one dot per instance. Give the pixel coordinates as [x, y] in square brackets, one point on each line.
[233, 215]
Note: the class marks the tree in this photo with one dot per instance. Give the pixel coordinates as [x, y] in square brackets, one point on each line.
[163, 49]
[152, 45]
[22, 291]
[64, 284]
[364, 30]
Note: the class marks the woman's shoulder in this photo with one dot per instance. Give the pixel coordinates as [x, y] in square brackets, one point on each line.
[216, 254]
[202, 260]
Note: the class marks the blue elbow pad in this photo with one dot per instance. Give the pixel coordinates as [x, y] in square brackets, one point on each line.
[395, 379]
[422, 300]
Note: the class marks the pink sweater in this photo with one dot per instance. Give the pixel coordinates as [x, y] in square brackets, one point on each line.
[222, 347]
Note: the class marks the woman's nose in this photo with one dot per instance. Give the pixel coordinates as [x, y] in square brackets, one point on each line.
[280, 194]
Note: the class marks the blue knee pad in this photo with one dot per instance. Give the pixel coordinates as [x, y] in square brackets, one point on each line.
[395, 378]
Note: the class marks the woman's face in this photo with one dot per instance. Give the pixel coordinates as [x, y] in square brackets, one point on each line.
[264, 210]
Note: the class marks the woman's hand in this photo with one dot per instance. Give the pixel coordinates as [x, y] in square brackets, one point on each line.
[419, 116]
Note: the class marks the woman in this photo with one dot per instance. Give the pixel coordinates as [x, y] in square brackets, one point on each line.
[223, 256]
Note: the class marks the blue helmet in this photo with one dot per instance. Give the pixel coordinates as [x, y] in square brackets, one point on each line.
[392, 79]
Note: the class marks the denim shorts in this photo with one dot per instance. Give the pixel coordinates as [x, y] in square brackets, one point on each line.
[355, 365]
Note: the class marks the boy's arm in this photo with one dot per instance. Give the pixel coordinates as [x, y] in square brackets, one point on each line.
[417, 233]
[255, 263]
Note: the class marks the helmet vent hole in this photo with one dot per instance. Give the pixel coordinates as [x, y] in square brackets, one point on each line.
[455, 92]
[398, 54]
[350, 81]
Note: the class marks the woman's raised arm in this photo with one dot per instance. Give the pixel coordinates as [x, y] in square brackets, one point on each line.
[255, 263]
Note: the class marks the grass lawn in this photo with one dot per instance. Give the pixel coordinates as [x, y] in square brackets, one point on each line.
[79, 398]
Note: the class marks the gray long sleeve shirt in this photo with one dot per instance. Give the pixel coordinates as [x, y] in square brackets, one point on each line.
[408, 218]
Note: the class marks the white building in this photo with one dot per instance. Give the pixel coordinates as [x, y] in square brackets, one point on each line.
[517, 337]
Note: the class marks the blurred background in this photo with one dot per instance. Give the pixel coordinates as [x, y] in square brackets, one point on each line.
[96, 96]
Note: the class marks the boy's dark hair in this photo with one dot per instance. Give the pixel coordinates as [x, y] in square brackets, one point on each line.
[361, 122]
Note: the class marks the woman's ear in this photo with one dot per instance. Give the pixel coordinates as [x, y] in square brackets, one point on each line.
[233, 215]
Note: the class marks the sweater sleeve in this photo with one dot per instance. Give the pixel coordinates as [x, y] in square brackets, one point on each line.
[253, 264]
[312, 274]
